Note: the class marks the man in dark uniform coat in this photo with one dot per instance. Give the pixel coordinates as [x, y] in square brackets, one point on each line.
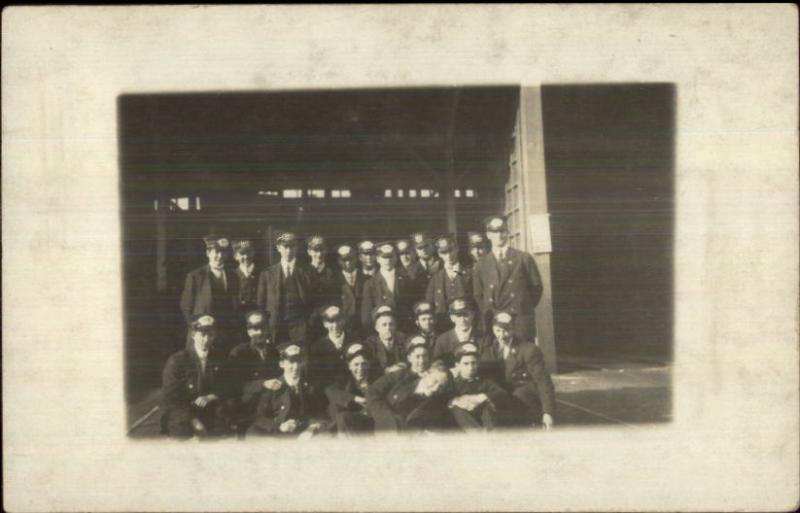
[413, 398]
[427, 260]
[507, 279]
[368, 258]
[411, 266]
[463, 331]
[246, 280]
[212, 290]
[250, 365]
[284, 290]
[390, 286]
[518, 366]
[476, 399]
[347, 395]
[326, 359]
[293, 407]
[351, 289]
[193, 388]
[478, 246]
[450, 282]
[386, 345]
[425, 322]
[324, 284]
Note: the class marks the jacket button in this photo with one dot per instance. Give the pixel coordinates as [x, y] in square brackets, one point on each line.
[510, 281]
[491, 286]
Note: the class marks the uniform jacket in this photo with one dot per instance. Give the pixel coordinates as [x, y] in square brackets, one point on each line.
[351, 296]
[525, 365]
[326, 363]
[437, 295]
[377, 293]
[278, 406]
[247, 287]
[197, 298]
[479, 385]
[517, 289]
[342, 392]
[324, 285]
[391, 399]
[248, 371]
[382, 357]
[448, 342]
[269, 288]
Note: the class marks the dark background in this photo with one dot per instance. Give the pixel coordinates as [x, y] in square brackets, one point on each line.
[609, 160]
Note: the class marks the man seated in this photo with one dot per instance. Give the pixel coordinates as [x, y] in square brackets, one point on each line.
[347, 395]
[291, 408]
[413, 398]
[476, 398]
[193, 389]
[518, 366]
[462, 317]
[327, 357]
[425, 321]
[387, 346]
[250, 365]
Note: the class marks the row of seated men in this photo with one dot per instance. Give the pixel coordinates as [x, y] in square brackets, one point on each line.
[398, 274]
[347, 385]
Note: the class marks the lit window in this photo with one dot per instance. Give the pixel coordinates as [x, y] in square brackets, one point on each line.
[428, 193]
[292, 193]
[412, 193]
[435, 194]
[341, 193]
[399, 193]
[155, 205]
[470, 193]
[273, 194]
[346, 193]
[179, 203]
[315, 193]
[387, 193]
[457, 193]
[197, 202]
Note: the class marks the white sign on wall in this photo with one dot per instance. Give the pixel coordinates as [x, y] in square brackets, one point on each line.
[539, 226]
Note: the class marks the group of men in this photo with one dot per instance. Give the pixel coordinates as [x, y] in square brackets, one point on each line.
[402, 336]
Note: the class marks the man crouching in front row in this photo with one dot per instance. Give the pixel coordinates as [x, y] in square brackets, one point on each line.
[292, 407]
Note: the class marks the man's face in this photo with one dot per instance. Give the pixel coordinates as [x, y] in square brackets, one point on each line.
[467, 367]
[501, 334]
[316, 256]
[335, 328]
[407, 258]
[425, 252]
[419, 360]
[477, 253]
[287, 251]
[367, 260]
[387, 262]
[384, 325]
[257, 334]
[203, 340]
[348, 264]
[448, 257]
[462, 321]
[244, 259]
[425, 323]
[216, 258]
[291, 368]
[498, 239]
[359, 367]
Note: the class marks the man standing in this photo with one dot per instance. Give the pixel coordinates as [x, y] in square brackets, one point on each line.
[478, 245]
[247, 277]
[388, 287]
[192, 386]
[284, 290]
[212, 290]
[448, 283]
[367, 256]
[461, 316]
[351, 286]
[324, 284]
[507, 279]
[426, 256]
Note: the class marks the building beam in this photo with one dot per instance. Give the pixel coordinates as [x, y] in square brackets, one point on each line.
[449, 174]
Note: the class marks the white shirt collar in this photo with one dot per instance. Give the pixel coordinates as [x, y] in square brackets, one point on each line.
[293, 384]
[216, 272]
[337, 341]
[500, 252]
[247, 271]
[460, 335]
[288, 267]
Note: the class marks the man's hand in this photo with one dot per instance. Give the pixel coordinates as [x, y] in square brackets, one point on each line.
[272, 384]
[547, 422]
[205, 400]
[288, 426]
[396, 367]
[360, 400]
[461, 402]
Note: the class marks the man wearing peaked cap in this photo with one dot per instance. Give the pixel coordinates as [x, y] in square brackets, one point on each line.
[347, 395]
[390, 286]
[193, 390]
[387, 344]
[476, 398]
[284, 290]
[212, 289]
[408, 258]
[367, 254]
[507, 279]
[450, 282]
[293, 407]
[327, 354]
[462, 316]
[478, 246]
[324, 284]
[517, 365]
[426, 253]
[351, 288]
[247, 275]
[425, 322]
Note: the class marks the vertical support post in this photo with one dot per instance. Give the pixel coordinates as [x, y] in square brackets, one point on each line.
[449, 173]
[161, 244]
[534, 187]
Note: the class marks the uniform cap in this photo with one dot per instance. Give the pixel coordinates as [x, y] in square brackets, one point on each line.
[445, 243]
[459, 306]
[496, 224]
[476, 240]
[380, 311]
[366, 248]
[465, 349]
[385, 249]
[257, 318]
[203, 322]
[331, 313]
[216, 242]
[243, 246]
[355, 350]
[403, 247]
[420, 240]
[415, 342]
[286, 238]
[291, 351]
[316, 242]
[344, 251]
[422, 307]
[503, 319]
